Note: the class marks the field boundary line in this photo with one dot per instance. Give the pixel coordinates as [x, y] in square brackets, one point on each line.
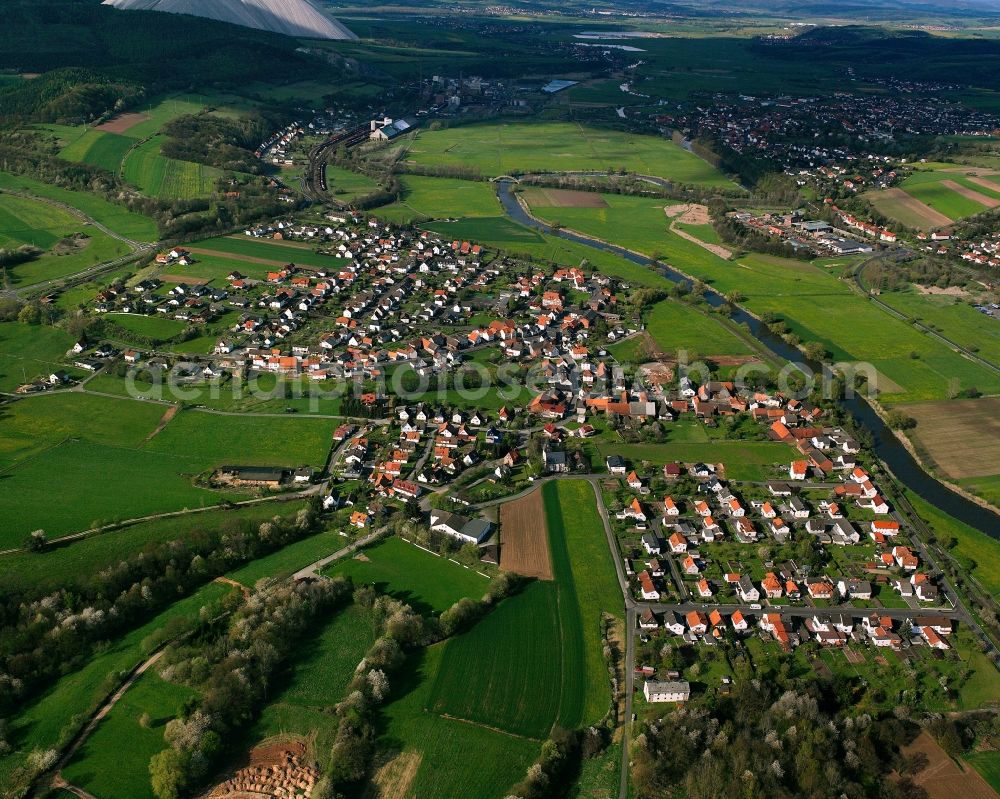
[508, 733]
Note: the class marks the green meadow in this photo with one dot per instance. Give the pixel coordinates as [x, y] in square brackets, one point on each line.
[521, 147]
[317, 680]
[280, 252]
[536, 660]
[118, 219]
[30, 351]
[436, 198]
[743, 460]
[99, 768]
[428, 583]
[810, 297]
[65, 565]
[106, 456]
[43, 723]
[26, 221]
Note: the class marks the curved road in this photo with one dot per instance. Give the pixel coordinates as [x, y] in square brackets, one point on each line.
[138, 248]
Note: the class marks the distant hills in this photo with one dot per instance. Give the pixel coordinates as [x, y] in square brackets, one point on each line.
[299, 18]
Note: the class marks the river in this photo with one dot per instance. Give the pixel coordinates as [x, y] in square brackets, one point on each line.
[887, 446]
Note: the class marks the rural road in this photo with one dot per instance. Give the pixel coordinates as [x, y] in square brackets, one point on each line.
[138, 248]
[313, 569]
[630, 628]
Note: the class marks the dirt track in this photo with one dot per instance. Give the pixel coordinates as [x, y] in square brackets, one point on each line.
[524, 537]
[694, 215]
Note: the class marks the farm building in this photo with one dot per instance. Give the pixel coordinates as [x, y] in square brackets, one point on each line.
[257, 476]
[472, 531]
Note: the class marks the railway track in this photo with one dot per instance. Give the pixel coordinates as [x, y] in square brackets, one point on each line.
[316, 187]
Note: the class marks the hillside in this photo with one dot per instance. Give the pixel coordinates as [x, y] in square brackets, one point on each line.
[290, 17]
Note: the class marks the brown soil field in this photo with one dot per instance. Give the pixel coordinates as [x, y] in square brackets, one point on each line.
[960, 436]
[191, 281]
[122, 123]
[524, 537]
[889, 199]
[248, 259]
[563, 198]
[693, 214]
[944, 778]
[992, 185]
[392, 780]
[291, 245]
[969, 194]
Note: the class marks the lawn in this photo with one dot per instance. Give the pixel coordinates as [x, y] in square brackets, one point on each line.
[426, 582]
[430, 198]
[99, 767]
[42, 724]
[118, 219]
[537, 659]
[33, 222]
[317, 679]
[743, 460]
[29, 351]
[521, 147]
[157, 328]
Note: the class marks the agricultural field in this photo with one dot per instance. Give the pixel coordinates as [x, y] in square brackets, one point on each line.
[65, 565]
[536, 660]
[98, 148]
[953, 317]
[155, 175]
[524, 537]
[522, 147]
[68, 244]
[424, 581]
[438, 198]
[987, 763]
[41, 725]
[99, 768]
[118, 219]
[417, 748]
[938, 194]
[108, 454]
[317, 680]
[814, 302]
